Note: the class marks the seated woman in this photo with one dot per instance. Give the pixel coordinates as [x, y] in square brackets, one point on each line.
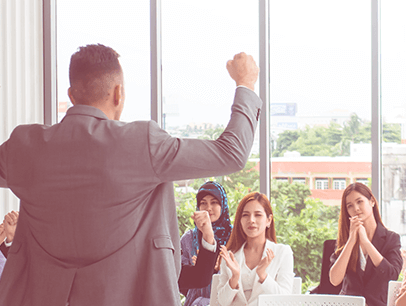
[401, 299]
[367, 255]
[255, 264]
[200, 272]
[211, 197]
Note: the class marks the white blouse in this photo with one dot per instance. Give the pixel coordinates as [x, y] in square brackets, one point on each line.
[248, 279]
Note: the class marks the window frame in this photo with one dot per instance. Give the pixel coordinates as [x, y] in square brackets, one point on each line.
[323, 181]
[50, 82]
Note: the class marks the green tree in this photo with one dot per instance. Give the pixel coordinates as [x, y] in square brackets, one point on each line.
[285, 140]
[391, 132]
[212, 134]
[305, 229]
[249, 176]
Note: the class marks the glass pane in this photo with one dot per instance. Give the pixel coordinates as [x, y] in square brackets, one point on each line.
[320, 89]
[198, 38]
[393, 84]
[124, 27]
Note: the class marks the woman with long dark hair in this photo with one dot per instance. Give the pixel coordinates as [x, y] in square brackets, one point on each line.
[367, 255]
[253, 263]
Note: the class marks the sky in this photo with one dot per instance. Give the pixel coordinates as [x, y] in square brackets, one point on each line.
[320, 54]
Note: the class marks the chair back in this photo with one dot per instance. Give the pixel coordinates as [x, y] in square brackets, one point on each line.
[297, 285]
[325, 286]
[213, 293]
[309, 300]
[393, 288]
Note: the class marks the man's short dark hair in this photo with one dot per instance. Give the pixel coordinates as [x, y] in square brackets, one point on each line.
[92, 69]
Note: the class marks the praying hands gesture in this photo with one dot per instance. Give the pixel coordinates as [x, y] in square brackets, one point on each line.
[355, 225]
[263, 264]
[232, 264]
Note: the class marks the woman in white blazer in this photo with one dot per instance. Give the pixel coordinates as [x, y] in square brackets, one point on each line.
[253, 263]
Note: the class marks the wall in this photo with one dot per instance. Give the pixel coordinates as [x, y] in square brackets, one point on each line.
[21, 73]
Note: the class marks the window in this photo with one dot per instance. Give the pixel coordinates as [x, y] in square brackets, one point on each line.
[339, 184]
[282, 179]
[322, 184]
[299, 180]
[196, 88]
[128, 35]
[363, 181]
[393, 97]
[310, 111]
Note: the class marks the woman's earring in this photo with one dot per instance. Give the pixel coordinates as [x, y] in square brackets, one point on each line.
[268, 226]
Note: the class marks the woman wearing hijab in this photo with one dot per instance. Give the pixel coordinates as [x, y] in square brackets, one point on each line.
[211, 197]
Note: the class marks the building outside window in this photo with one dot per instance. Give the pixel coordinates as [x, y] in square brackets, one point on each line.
[322, 184]
[300, 180]
[339, 184]
[282, 179]
[363, 181]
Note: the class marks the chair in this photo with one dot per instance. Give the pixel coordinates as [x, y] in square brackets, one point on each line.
[325, 286]
[297, 288]
[297, 285]
[393, 288]
[309, 300]
[213, 293]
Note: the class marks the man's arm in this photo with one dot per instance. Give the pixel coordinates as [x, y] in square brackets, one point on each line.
[175, 158]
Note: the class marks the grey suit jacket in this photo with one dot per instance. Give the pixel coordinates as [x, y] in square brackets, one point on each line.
[97, 222]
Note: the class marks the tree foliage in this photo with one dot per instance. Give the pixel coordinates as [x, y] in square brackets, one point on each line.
[304, 224]
[301, 222]
[333, 140]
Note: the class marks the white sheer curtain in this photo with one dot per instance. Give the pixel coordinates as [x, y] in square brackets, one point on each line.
[21, 73]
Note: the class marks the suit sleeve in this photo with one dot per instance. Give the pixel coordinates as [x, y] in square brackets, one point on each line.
[200, 275]
[175, 158]
[3, 165]
[283, 283]
[391, 264]
[4, 249]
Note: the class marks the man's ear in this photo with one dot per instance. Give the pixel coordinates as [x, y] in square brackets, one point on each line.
[118, 94]
[72, 99]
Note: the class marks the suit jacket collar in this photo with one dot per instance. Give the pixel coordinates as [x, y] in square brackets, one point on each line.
[86, 110]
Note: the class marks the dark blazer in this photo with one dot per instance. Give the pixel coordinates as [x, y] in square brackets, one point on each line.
[373, 282]
[199, 275]
[4, 249]
[97, 222]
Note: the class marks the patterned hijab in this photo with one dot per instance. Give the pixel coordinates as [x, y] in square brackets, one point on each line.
[221, 227]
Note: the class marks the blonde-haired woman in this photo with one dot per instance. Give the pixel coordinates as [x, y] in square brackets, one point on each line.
[253, 263]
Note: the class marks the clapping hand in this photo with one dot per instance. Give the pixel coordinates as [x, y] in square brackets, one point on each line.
[263, 264]
[10, 224]
[194, 258]
[232, 264]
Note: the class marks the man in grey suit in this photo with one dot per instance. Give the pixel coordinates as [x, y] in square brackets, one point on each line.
[97, 222]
